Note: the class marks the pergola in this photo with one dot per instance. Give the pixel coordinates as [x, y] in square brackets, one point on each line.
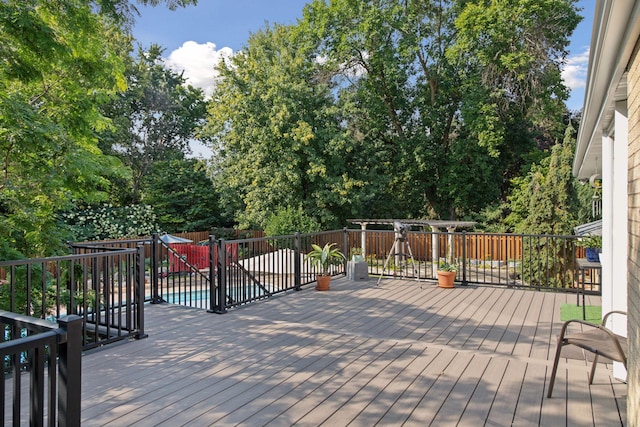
[436, 225]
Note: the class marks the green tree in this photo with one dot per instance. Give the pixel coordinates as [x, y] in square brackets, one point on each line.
[61, 60]
[511, 53]
[183, 196]
[546, 202]
[290, 220]
[275, 131]
[154, 119]
[400, 92]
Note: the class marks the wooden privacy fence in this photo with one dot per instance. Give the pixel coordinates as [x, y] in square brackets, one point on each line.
[477, 246]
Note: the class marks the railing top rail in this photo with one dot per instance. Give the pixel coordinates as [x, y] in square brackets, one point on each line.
[24, 321]
[472, 233]
[104, 242]
[27, 343]
[120, 251]
[284, 236]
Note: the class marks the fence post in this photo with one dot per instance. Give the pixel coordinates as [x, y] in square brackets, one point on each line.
[154, 263]
[464, 257]
[139, 292]
[70, 368]
[221, 267]
[297, 268]
[212, 274]
[345, 249]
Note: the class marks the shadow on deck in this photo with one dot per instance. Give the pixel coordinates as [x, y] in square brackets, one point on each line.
[402, 353]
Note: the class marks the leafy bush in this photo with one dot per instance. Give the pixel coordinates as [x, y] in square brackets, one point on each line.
[590, 241]
[290, 220]
[111, 222]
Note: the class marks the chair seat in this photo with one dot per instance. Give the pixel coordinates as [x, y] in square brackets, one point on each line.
[598, 341]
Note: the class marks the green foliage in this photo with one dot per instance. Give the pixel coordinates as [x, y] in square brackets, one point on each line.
[545, 201]
[273, 123]
[590, 241]
[61, 62]
[153, 120]
[111, 222]
[514, 50]
[324, 257]
[182, 196]
[547, 260]
[290, 220]
[18, 300]
[446, 266]
[388, 109]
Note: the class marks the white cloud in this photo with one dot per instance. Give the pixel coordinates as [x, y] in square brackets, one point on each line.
[198, 62]
[574, 72]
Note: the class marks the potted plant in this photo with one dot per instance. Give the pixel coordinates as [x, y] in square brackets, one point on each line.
[592, 244]
[323, 258]
[446, 274]
[356, 255]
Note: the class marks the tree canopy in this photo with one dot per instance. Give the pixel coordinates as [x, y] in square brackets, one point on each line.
[60, 62]
[363, 108]
[153, 119]
[390, 108]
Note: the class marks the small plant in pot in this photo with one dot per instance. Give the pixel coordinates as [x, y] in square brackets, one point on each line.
[446, 274]
[592, 244]
[323, 258]
[356, 255]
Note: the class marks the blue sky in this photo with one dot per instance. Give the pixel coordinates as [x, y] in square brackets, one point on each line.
[196, 37]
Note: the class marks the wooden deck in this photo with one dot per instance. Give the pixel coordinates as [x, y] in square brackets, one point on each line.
[402, 353]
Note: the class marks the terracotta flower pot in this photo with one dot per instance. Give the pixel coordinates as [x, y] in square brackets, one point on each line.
[446, 279]
[323, 282]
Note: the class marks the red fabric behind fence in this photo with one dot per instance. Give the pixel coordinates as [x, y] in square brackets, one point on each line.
[197, 256]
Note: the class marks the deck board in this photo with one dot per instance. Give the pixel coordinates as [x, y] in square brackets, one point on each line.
[402, 353]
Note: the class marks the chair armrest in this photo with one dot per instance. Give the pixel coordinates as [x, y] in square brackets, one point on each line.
[606, 316]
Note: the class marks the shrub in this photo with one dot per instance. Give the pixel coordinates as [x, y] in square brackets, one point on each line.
[111, 222]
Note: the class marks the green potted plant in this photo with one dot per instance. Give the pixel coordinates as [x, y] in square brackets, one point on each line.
[446, 274]
[322, 259]
[592, 244]
[356, 254]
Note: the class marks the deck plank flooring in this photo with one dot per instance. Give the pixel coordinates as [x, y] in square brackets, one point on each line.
[401, 353]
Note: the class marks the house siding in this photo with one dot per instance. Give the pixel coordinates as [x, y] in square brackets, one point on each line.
[633, 283]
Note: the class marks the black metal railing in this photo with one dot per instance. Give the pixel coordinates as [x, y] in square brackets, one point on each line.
[218, 274]
[228, 273]
[543, 262]
[104, 286]
[50, 355]
[249, 270]
[222, 273]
